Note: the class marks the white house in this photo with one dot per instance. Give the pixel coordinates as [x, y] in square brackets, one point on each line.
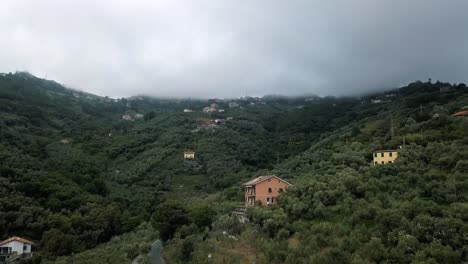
[127, 118]
[14, 247]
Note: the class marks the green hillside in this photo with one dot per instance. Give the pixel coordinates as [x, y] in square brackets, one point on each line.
[74, 174]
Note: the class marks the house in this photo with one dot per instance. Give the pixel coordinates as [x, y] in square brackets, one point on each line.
[210, 110]
[206, 124]
[221, 110]
[385, 156]
[189, 154]
[264, 190]
[188, 110]
[462, 113]
[65, 141]
[15, 248]
[127, 118]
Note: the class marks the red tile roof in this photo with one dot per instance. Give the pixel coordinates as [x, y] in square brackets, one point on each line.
[462, 113]
[15, 238]
[262, 178]
[386, 150]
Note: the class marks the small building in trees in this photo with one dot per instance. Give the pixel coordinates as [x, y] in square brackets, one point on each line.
[210, 109]
[264, 190]
[385, 156]
[15, 248]
[462, 113]
[127, 118]
[189, 154]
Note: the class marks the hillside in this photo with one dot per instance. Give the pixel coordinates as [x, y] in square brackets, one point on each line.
[74, 173]
[342, 209]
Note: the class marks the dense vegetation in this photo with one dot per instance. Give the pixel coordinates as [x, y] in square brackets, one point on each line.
[74, 174]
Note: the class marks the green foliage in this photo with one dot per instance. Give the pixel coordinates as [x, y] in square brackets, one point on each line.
[73, 174]
[121, 249]
[201, 213]
[169, 216]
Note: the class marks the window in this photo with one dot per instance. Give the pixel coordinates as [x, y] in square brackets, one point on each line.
[269, 190]
[25, 247]
[390, 154]
[5, 250]
[280, 190]
[269, 180]
[383, 162]
[375, 155]
[389, 161]
[381, 154]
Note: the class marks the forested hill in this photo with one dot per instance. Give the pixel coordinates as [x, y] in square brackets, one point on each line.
[78, 169]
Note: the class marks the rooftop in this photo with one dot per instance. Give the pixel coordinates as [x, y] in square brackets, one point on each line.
[462, 113]
[15, 238]
[386, 150]
[262, 178]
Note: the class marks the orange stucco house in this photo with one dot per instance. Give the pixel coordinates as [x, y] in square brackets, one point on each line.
[264, 190]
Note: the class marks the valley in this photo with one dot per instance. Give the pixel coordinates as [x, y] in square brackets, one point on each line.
[93, 179]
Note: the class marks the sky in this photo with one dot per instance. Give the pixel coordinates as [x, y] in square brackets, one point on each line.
[232, 48]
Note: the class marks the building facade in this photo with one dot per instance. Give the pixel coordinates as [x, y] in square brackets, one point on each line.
[189, 154]
[15, 248]
[264, 190]
[385, 156]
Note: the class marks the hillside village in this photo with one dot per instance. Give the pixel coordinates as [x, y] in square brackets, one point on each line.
[374, 179]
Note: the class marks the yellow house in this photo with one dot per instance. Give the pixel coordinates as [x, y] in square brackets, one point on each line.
[189, 154]
[385, 156]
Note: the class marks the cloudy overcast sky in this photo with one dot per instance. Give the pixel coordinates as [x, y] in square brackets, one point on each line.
[227, 48]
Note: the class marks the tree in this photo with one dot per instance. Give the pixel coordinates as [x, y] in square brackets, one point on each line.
[168, 217]
[186, 252]
[150, 115]
[201, 213]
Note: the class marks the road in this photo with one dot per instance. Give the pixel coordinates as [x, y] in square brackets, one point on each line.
[154, 255]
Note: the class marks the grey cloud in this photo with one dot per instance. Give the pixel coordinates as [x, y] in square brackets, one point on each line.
[214, 48]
